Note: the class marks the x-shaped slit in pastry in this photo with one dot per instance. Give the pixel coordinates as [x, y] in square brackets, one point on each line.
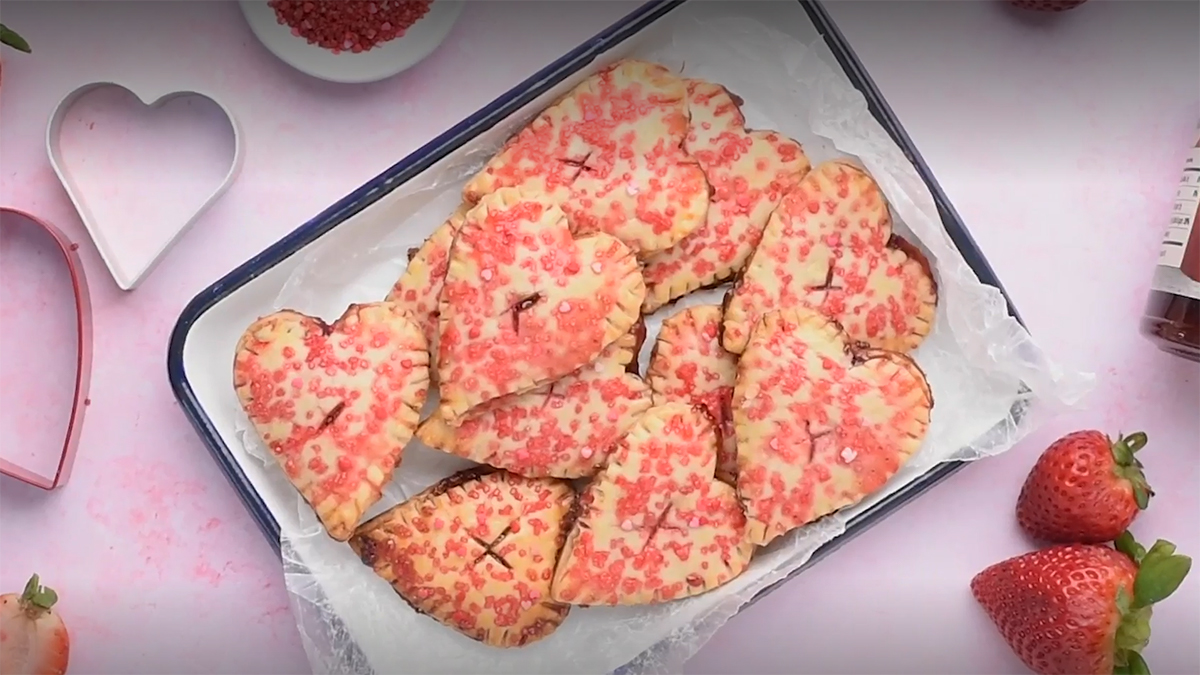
[656, 526]
[813, 437]
[580, 165]
[331, 416]
[550, 396]
[489, 548]
[826, 285]
[522, 305]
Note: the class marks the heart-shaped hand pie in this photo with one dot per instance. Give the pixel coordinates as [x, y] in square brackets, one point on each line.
[563, 429]
[418, 289]
[335, 404]
[829, 246]
[477, 553]
[689, 365]
[821, 422]
[525, 303]
[655, 525]
[749, 172]
[610, 153]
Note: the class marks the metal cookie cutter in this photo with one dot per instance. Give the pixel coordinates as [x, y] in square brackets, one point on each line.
[13, 218]
[151, 91]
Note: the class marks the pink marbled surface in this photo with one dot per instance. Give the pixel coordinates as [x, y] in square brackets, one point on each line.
[1059, 143]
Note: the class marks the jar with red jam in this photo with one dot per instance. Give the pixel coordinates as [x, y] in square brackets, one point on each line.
[1172, 316]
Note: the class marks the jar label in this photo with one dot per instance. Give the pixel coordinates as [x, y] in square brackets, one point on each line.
[1178, 270]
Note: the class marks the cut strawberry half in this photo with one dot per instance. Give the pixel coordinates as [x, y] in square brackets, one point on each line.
[610, 153]
[477, 553]
[525, 303]
[655, 525]
[689, 365]
[564, 429]
[829, 246]
[417, 290]
[749, 172]
[33, 637]
[335, 404]
[821, 422]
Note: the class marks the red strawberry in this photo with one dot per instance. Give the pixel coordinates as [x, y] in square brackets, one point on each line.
[1084, 489]
[1047, 5]
[33, 639]
[1080, 608]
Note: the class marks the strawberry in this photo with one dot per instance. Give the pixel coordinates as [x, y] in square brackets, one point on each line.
[1084, 489]
[1080, 608]
[1046, 5]
[33, 638]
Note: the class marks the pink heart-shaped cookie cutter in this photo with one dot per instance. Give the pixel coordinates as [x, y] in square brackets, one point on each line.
[14, 218]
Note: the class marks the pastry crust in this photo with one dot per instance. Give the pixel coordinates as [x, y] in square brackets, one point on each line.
[525, 303]
[822, 422]
[477, 553]
[610, 153]
[689, 365]
[830, 246]
[749, 172]
[335, 404]
[655, 525]
[564, 429]
[419, 287]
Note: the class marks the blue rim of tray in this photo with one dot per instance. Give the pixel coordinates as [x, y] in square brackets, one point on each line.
[484, 119]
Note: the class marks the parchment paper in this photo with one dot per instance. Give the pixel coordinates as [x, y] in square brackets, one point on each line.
[986, 373]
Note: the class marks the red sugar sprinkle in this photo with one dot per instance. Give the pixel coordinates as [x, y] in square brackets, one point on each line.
[349, 25]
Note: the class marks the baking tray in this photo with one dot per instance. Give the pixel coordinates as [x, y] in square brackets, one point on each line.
[274, 260]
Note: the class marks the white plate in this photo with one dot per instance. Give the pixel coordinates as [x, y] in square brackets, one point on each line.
[381, 62]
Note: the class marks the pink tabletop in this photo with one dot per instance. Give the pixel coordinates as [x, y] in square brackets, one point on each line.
[1059, 142]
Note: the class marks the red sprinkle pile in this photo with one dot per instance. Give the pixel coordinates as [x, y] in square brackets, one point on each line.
[349, 25]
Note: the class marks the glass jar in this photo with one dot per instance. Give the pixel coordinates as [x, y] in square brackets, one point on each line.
[1172, 315]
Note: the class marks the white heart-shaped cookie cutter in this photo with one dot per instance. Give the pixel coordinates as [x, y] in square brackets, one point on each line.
[128, 279]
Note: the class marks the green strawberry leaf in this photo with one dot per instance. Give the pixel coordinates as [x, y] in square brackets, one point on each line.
[1125, 543]
[1136, 441]
[31, 587]
[1161, 549]
[1159, 575]
[10, 38]
[1123, 601]
[1121, 453]
[45, 598]
[1133, 633]
[1137, 665]
[1141, 495]
[38, 595]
